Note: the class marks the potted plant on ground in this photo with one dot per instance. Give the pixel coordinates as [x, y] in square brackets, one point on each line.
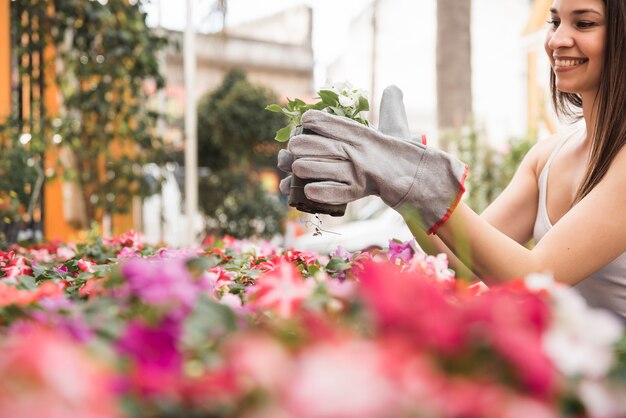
[339, 99]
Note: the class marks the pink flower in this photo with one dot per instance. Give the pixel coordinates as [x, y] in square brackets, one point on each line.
[15, 266]
[129, 239]
[127, 252]
[341, 379]
[411, 303]
[305, 257]
[281, 290]
[259, 361]
[10, 295]
[86, 265]
[435, 267]
[46, 375]
[219, 277]
[266, 264]
[513, 321]
[65, 253]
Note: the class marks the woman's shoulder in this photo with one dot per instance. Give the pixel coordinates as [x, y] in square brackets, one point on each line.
[618, 166]
[540, 152]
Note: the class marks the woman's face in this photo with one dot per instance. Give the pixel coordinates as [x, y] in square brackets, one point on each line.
[575, 44]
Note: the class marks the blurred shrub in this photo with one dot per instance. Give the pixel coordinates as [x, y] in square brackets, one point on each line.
[235, 143]
[491, 167]
[105, 57]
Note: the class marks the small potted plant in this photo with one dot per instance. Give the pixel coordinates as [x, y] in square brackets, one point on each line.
[339, 99]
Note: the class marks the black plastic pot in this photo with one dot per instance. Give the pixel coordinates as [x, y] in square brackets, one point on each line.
[298, 199]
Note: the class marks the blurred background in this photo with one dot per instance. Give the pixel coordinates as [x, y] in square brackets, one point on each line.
[149, 115]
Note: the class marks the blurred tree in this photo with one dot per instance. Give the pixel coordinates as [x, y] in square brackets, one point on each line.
[235, 144]
[454, 65]
[491, 168]
[106, 66]
[111, 55]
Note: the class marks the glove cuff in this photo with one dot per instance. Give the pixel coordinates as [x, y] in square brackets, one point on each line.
[436, 189]
[454, 204]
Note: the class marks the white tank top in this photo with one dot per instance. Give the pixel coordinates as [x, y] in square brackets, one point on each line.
[606, 288]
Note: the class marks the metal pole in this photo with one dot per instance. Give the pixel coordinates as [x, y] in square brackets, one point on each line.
[191, 138]
[373, 114]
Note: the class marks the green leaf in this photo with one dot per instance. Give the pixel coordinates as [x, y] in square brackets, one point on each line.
[274, 108]
[27, 282]
[337, 264]
[362, 121]
[38, 270]
[337, 110]
[329, 97]
[362, 105]
[283, 134]
[299, 103]
[208, 320]
[292, 114]
[318, 106]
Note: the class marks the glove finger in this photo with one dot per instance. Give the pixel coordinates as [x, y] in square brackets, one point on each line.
[285, 185]
[307, 145]
[330, 192]
[336, 170]
[285, 160]
[339, 128]
[393, 120]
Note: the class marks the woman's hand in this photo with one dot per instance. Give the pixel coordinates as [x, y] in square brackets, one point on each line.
[355, 161]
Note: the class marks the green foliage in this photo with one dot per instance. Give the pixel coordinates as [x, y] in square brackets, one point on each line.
[233, 130]
[21, 179]
[235, 144]
[490, 168]
[105, 55]
[353, 104]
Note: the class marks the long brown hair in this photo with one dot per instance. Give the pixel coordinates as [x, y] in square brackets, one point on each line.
[610, 129]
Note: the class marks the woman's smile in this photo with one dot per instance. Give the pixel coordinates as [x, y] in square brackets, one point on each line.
[563, 64]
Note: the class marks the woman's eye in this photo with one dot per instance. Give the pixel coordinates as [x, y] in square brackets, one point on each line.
[554, 23]
[584, 25]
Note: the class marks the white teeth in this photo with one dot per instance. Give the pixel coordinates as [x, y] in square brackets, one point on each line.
[568, 63]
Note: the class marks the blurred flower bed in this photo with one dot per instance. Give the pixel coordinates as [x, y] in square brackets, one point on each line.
[113, 328]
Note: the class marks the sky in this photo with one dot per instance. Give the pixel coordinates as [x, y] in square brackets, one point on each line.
[335, 14]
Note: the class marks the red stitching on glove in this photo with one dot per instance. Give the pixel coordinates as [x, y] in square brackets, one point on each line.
[443, 220]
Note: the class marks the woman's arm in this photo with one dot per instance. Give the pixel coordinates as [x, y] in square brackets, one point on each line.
[513, 212]
[588, 237]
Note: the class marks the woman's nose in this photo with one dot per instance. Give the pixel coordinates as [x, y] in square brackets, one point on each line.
[561, 38]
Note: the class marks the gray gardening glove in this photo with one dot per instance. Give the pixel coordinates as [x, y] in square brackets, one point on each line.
[358, 161]
[392, 122]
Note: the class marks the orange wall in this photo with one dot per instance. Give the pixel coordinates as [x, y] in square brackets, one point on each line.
[5, 60]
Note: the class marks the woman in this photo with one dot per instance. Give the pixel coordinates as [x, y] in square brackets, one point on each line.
[569, 192]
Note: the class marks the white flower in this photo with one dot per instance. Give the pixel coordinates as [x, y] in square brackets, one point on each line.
[602, 400]
[346, 101]
[580, 339]
[537, 282]
[338, 86]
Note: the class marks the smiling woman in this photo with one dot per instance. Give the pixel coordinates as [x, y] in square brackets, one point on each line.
[575, 46]
[579, 227]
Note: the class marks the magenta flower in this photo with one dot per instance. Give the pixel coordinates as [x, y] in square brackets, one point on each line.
[156, 362]
[153, 346]
[401, 250]
[161, 281]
